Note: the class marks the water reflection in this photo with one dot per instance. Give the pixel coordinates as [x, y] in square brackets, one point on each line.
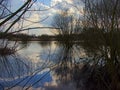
[25, 71]
[24, 44]
[12, 68]
[83, 66]
[45, 43]
[16, 71]
[55, 66]
[105, 63]
[68, 70]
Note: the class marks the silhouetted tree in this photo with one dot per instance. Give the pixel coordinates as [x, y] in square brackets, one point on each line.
[103, 17]
[67, 23]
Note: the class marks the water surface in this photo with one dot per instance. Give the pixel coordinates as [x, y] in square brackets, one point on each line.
[43, 66]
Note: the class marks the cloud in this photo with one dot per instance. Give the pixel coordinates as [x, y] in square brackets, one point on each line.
[34, 16]
[74, 6]
[47, 11]
[54, 2]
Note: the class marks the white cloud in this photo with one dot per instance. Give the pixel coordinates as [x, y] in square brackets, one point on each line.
[72, 5]
[36, 16]
[54, 2]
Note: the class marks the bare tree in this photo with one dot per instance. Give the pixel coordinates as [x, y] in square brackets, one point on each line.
[66, 23]
[19, 13]
[8, 20]
[103, 16]
[3, 10]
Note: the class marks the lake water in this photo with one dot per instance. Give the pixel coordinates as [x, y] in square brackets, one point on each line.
[43, 66]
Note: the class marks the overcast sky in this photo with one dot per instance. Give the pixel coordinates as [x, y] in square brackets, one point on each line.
[37, 16]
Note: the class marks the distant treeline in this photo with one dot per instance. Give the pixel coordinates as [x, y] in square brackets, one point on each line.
[86, 34]
[45, 37]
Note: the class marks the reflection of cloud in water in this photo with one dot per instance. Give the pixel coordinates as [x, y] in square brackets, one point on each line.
[55, 84]
[14, 66]
[37, 53]
[35, 58]
[30, 80]
[43, 57]
[50, 82]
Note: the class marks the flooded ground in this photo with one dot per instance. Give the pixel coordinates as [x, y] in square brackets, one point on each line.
[42, 66]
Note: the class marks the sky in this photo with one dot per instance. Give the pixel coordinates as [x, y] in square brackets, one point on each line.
[38, 16]
[46, 2]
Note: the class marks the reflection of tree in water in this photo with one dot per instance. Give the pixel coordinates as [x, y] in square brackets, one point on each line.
[13, 67]
[65, 64]
[105, 64]
[19, 71]
[16, 71]
[44, 43]
[68, 68]
[24, 44]
[97, 73]
[102, 35]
